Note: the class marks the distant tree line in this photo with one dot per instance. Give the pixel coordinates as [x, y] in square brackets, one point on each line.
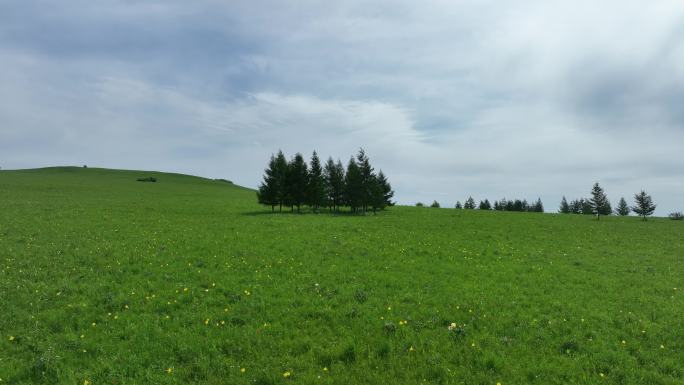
[293, 184]
[599, 205]
[502, 205]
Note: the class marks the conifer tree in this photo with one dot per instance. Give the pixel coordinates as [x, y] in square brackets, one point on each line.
[564, 206]
[280, 175]
[485, 205]
[502, 205]
[316, 184]
[458, 205]
[644, 204]
[353, 186]
[599, 202]
[297, 182]
[366, 175]
[622, 208]
[435, 204]
[538, 206]
[378, 201]
[334, 183]
[386, 189]
[267, 193]
[469, 203]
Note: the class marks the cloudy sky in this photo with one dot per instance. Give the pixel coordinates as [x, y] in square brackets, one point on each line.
[450, 98]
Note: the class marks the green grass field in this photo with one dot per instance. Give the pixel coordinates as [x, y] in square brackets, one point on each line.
[105, 280]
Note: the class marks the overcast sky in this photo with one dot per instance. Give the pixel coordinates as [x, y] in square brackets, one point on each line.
[449, 98]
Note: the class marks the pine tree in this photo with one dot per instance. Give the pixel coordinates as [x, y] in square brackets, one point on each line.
[435, 205]
[297, 181]
[586, 207]
[485, 205]
[353, 186]
[538, 206]
[469, 203]
[366, 174]
[644, 204]
[378, 201]
[334, 183]
[599, 202]
[458, 205]
[316, 184]
[564, 206]
[267, 193]
[280, 174]
[622, 208]
[386, 188]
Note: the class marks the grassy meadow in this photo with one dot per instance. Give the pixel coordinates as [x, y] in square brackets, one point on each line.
[105, 280]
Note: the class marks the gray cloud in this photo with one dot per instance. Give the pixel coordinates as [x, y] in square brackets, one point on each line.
[482, 98]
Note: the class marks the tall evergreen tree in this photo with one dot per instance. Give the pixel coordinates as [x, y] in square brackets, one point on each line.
[366, 174]
[316, 184]
[353, 186]
[622, 208]
[267, 193]
[538, 206]
[564, 206]
[334, 184]
[378, 201]
[599, 202]
[644, 205]
[386, 189]
[297, 182]
[280, 175]
[587, 209]
[458, 205]
[485, 205]
[469, 203]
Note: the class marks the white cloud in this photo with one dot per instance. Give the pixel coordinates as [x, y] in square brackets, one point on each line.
[450, 98]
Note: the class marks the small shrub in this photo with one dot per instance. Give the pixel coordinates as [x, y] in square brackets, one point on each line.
[148, 179]
[678, 216]
[360, 296]
[390, 328]
[420, 204]
[435, 205]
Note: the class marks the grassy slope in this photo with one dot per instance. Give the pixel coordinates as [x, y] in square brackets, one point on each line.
[114, 281]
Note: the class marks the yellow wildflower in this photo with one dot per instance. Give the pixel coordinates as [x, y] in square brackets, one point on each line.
[242, 370]
[169, 370]
[286, 374]
[11, 338]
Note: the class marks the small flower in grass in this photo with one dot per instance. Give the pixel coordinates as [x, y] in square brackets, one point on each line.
[624, 342]
[452, 326]
[206, 321]
[662, 346]
[325, 369]
[86, 382]
[242, 370]
[411, 349]
[601, 374]
[169, 370]
[287, 374]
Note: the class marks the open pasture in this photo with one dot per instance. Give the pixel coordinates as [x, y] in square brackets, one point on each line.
[107, 280]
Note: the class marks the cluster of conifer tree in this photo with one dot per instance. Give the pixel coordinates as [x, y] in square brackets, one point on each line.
[295, 184]
[599, 204]
[503, 205]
